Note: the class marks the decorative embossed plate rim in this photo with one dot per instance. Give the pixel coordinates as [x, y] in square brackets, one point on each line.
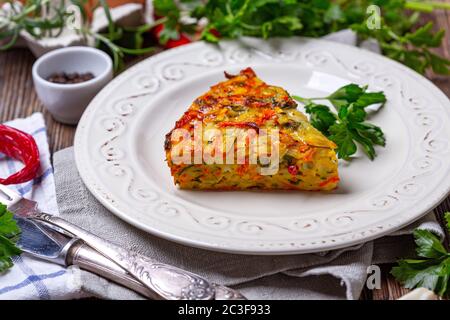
[109, 128]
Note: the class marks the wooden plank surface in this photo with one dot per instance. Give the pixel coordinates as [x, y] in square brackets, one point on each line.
[18, 99]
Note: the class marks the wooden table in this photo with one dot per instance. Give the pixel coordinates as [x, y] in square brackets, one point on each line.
[18, 99]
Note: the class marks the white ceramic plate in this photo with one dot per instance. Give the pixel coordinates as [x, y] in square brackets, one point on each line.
[120, 155]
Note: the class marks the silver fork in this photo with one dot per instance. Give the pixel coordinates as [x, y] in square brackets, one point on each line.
[165, 281]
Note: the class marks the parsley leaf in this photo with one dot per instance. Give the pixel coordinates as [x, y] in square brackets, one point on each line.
[170, 10]
[433, 275]
[348, 127]
[321, 117]
[447, 219]
[369, 98]
[433, 271]
[9, 232]
[7, 250]
[425, 37]
[8, 227]
[438, 64]
[343, 139]
[345, 95]
[428, 245]
[353, 93]
[371, 132]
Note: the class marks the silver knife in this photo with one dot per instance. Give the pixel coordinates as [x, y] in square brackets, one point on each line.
[44, 242]
[163, 281]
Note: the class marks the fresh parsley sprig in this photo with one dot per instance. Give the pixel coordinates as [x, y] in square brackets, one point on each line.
[432, 271]
[410, 48]
[9, 234]
[347, 126]
[397, 28]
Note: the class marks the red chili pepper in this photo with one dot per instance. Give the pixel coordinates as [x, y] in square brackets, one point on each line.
[292, 169]
[20, 146]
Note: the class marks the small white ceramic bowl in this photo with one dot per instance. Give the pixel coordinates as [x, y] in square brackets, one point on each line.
[67, 102]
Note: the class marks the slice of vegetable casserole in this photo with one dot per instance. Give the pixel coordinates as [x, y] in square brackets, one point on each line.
[244, 134]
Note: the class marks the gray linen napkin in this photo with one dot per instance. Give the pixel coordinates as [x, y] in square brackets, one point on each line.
[339, 274]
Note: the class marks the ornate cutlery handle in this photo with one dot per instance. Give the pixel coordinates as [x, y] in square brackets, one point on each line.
[167, 282]
[90, 260]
